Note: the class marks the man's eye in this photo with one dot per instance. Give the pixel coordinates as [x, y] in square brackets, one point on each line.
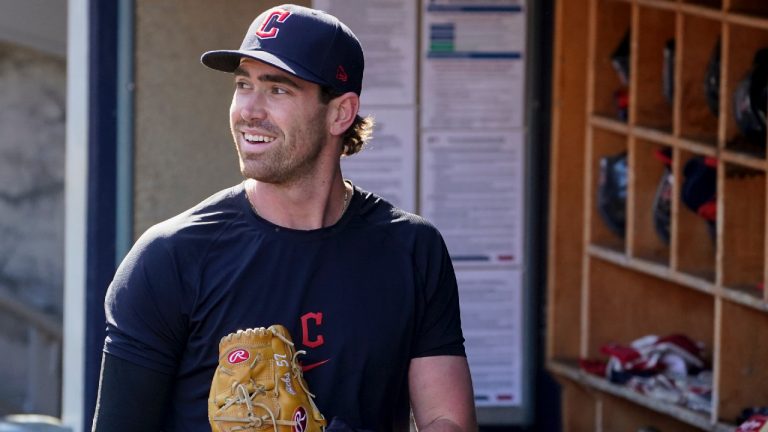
[242, 85]
[279, 90]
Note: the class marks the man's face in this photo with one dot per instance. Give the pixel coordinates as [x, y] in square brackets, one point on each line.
[278, 124]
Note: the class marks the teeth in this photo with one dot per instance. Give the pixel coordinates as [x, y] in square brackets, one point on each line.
[257, 138]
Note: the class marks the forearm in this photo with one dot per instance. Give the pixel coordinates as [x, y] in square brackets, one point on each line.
[441, 394]
[131, 398]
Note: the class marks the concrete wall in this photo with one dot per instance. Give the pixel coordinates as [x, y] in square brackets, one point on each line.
[32, 103]
[183, 148]
[38, 24]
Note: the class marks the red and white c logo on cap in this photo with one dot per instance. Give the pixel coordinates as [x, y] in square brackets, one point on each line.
[268, 29]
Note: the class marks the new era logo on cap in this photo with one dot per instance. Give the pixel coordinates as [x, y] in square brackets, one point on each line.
[341, 74]
[308, 43]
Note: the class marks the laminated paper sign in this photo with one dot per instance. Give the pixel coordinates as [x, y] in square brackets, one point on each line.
[472, 68]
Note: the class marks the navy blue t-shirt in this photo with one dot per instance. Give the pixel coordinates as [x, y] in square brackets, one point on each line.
[362, 297]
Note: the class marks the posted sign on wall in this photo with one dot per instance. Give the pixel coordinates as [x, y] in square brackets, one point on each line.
[472, 162]
[456, 155]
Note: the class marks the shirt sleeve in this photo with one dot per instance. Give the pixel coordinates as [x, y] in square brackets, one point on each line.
[131, 398]
[439, 329]
[144, 306]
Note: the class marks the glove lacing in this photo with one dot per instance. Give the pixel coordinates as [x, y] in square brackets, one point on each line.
[242, 396]
[297, 372]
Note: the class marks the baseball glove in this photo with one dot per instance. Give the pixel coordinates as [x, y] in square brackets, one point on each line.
[259, 385]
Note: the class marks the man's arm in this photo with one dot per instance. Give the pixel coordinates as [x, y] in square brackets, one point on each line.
[441, 394]
[131, 398]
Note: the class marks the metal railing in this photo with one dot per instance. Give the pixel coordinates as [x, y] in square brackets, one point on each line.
[43, 356]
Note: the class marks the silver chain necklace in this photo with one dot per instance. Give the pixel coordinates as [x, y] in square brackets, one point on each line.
[343, 207]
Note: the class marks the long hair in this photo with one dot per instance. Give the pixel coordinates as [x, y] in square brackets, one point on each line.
[359, 132]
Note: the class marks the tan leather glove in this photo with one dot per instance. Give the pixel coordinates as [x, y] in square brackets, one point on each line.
[259, 385]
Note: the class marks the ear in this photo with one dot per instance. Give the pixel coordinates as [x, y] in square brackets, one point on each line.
[341, 113]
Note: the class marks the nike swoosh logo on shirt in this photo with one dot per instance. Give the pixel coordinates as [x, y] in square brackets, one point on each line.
[309, 367]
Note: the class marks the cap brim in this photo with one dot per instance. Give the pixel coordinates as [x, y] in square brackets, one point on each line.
[229, 60]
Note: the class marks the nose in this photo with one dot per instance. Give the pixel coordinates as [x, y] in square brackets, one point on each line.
[251, 107]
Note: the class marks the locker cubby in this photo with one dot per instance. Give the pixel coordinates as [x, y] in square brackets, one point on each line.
[625, 305]
[606, 145]
[698, 112]
[650, 108]
[568, 198]
[709, 282]
[694, 236]
[749, 7]
[743, 43]
[581, 406]
[621, 415]
[742, 374]
[646, 233]
[613, 26]
[743, 234]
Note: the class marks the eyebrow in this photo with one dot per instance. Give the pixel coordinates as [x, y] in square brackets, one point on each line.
[275, 78]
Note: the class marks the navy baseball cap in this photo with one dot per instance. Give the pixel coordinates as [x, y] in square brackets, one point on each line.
[308, 43]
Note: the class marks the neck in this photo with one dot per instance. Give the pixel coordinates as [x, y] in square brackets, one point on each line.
[300, 207]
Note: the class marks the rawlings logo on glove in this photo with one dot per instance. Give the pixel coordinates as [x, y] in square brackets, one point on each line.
[258, 385]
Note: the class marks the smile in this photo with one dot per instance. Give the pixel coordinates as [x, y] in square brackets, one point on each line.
[257, 138]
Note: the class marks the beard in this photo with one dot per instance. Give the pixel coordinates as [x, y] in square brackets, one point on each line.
[295, 157]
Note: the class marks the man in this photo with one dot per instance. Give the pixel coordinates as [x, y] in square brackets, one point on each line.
[366, 289]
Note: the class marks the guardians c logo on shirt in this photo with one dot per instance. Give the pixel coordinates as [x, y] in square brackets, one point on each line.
[309, 341]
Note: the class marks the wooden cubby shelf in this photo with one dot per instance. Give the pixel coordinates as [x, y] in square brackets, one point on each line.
[702, 8]
[570, 369]
[654, 269]
[684, 247]
[609, 124]
[654, 135]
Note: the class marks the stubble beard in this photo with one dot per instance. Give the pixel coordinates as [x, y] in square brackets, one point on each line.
[287, 162]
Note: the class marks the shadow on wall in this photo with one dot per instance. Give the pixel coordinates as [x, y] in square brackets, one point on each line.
[32, 138]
